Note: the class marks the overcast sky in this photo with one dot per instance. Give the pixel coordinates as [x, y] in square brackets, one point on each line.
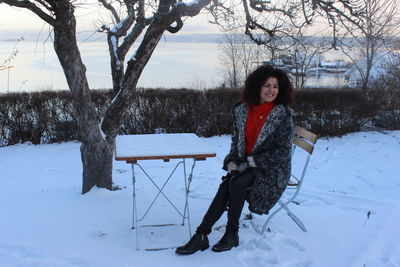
[16, 22]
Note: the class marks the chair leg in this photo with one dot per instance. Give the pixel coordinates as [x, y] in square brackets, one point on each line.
[255, 227]
[297, 221]
[265, 225]
[290, 214]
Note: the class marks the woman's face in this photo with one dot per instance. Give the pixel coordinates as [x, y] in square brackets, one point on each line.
[269, 90]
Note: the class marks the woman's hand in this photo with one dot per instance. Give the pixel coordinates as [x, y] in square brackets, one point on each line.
[251, 162]
[243, 166]
[232, 166]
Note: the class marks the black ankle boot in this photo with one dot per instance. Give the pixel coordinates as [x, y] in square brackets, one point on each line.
[196, 243]
[227, 242]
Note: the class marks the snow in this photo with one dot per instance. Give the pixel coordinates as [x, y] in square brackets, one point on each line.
[101, 131]
[116, 96]
[133, 58]
[114, 43]
[148, 145]
[191, 3]
[119, 25]
[45, 221]
[381, 65]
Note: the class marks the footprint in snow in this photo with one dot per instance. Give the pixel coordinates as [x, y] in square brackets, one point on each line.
[258, 243]
[294, 244]
[263, 258]
[319, 200]
[297, 263]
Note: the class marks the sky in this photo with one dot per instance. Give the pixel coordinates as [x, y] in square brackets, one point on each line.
[15, 22]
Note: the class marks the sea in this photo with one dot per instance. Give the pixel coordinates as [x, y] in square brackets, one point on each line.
[35, 67]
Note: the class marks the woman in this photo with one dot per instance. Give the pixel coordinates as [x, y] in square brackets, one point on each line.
[259, 161]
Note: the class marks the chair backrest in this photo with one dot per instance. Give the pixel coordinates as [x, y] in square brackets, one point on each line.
[305, 139]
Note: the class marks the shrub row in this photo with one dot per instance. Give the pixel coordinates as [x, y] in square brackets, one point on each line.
[48, 117]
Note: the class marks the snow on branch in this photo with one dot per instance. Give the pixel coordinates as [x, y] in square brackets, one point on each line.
[119, 25]
[192, 8]
[114, 45]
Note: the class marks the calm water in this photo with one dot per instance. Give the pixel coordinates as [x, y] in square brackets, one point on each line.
[36, 66]
[173, 65]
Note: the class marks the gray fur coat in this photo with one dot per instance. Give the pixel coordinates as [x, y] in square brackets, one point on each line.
[271, 154]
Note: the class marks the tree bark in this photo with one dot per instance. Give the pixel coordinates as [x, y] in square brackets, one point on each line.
[97, 165]
[96, 151]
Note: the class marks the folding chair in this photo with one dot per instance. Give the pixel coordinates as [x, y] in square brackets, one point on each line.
[305, 140]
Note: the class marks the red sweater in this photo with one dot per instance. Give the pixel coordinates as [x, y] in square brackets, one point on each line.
[255, 121]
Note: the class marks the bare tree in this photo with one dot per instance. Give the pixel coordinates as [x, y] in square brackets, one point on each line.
[306, 51]
[301, 48]
[266, 20]
[150, 18]
[250, 55]
[280, 25]
[229, 60]
[372, 37]
[6, 65]
[237, 57]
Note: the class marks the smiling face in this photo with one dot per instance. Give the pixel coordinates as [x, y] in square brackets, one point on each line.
[269, 90]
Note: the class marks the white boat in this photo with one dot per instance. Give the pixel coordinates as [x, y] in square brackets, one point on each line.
[314, 70]
[298, 72]
[335, 70]
[334, 66]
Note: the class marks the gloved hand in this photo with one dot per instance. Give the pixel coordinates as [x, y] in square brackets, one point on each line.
[251, 162]
[232, 166]
[243, 166]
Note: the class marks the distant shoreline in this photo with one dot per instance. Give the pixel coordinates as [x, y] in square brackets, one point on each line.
[31, 36]
[88, 37]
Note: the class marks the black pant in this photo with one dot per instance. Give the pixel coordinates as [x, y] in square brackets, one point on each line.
[232, 194]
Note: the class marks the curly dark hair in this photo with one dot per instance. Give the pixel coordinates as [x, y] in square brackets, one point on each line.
[254, 82]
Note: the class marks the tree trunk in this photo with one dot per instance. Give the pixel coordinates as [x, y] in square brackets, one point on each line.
[97, 161]
[96, 152]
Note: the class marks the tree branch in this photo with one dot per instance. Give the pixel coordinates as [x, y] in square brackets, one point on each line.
[133, 35]
[112, 10]
[191, 9]
[32, 7]
[166, 15]
[45, 5]
[177, 28]
[261, 6]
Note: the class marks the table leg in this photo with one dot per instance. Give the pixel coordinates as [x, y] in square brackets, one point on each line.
[185, 215]
[134, 209]
[160, 190]
[187, 189]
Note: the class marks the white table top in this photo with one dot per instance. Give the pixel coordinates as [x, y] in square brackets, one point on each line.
[161, 146]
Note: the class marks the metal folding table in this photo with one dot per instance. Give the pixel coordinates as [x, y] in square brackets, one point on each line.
[133, 148]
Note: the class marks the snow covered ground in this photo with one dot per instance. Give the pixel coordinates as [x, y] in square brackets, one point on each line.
[350, 204]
